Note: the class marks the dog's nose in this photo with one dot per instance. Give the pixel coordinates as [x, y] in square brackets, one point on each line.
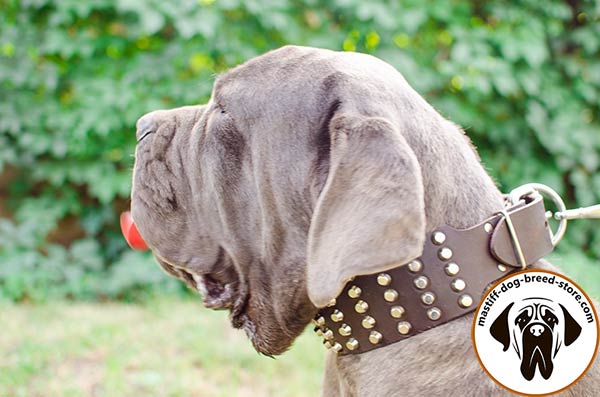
[145, 125]
[536, 330]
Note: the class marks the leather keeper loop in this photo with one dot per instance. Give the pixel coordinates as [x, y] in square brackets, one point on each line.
[533, 233]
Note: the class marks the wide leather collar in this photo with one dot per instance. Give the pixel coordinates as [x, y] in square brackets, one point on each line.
[445, 283]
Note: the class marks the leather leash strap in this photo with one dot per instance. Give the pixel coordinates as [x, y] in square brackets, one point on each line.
[445, 283]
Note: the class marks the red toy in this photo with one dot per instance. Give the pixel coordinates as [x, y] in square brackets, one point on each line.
[131, 234]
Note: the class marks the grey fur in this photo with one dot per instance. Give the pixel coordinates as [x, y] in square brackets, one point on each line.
[306, 167]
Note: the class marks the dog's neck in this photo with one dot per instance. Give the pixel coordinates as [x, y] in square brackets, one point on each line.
[459, 197]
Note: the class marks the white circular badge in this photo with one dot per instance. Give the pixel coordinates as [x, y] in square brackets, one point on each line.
[535, 332]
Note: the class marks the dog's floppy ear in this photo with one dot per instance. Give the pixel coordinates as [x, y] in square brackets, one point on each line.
[572, 327]
[369, 216]
[499, 328]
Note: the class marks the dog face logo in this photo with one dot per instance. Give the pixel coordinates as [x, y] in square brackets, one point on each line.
[535, 332]
[536, 328]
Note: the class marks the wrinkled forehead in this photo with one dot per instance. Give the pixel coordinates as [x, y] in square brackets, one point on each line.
[534, 307]
[280, 68]
[284, 80]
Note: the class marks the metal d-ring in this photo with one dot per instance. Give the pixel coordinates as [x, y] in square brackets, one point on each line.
[525, 190]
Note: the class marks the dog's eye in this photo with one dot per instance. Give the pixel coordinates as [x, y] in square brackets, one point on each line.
[220, 109]
[550, 320]
[522, 319]
[549, 317]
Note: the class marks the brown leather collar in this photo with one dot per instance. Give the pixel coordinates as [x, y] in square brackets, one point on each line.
[445, 283]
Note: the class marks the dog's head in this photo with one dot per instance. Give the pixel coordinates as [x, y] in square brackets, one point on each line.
[536, 328]
[304, 169]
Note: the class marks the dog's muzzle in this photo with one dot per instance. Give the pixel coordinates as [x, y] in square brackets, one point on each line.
[537, 350]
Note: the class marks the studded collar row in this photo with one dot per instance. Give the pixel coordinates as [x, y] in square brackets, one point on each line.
[445, 283]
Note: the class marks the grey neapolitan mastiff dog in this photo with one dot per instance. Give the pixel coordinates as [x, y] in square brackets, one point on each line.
[308, 167]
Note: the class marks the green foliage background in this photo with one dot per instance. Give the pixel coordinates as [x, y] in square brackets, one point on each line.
[522, 77]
